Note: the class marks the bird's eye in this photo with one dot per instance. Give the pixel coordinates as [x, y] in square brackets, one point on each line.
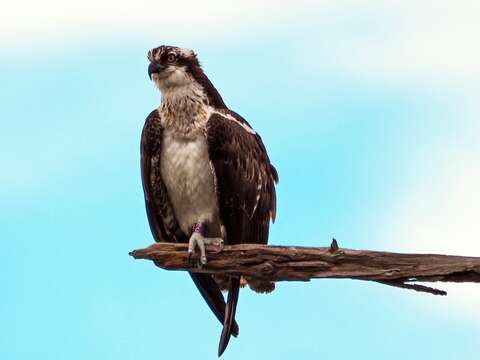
[171, 58]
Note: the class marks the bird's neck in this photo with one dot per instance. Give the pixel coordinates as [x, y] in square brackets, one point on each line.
[184, 109]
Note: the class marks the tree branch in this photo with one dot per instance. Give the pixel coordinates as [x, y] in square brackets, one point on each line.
[288, 263]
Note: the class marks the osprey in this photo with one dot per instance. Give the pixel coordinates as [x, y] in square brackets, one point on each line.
[206, 175]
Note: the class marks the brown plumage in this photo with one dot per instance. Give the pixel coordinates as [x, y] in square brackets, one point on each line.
[244, 178]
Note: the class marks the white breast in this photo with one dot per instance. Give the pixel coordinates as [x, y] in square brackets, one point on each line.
[189, 179]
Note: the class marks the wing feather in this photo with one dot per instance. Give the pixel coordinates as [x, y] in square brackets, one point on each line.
[245, 178]
[245, 191]
[159, 210]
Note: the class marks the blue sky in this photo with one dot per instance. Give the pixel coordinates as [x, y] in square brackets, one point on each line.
[369, 112]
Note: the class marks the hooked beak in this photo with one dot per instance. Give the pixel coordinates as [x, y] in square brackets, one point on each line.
[153, 68]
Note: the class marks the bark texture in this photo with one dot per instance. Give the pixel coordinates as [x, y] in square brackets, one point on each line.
[295, 263]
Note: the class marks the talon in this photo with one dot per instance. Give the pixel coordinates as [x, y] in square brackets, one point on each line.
[218, 243]
[197, 239]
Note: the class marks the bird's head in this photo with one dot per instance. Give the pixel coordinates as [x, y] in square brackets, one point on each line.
[171, 66]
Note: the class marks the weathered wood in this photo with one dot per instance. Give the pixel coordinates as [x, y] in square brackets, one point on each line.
[288, 263]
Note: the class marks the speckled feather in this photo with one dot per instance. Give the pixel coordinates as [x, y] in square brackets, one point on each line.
[160, 212]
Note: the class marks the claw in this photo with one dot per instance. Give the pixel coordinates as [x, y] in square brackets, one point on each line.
[201, 246]
[198, 240]
[218, 243]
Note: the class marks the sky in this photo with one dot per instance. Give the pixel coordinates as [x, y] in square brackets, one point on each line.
[369, 110]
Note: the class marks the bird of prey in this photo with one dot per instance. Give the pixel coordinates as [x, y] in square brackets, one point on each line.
[206, 175]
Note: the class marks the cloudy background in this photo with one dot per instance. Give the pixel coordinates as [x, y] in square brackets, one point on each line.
[369, 110]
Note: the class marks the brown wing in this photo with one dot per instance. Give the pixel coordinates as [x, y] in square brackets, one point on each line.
[161, 216]
[245, 190]
[245, 179]
[159, 210]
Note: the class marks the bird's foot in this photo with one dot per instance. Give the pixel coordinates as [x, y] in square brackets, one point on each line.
[197, 239]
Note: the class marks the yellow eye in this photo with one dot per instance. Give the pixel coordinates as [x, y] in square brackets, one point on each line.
[171, 58]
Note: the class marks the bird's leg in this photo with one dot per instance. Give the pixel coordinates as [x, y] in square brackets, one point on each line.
[198, 239]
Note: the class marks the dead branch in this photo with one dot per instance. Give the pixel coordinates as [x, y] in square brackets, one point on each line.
[295, 263]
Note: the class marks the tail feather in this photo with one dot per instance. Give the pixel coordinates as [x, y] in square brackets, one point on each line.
[228, 325]
[213, 297]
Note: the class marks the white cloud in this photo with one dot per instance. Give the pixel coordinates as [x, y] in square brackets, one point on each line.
[400, 40]
[32, 24]
[439, 213]
[404, 41]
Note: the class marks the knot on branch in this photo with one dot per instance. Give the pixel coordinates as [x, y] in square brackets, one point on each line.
[333, 246]
[267, 268]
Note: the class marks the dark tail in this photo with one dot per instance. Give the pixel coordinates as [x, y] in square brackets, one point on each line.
[229, 323]
[214, 298]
